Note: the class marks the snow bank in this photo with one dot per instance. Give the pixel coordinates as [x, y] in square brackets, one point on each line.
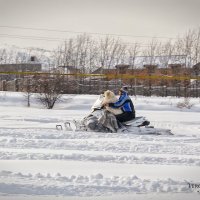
[78, 185]
[84, 102]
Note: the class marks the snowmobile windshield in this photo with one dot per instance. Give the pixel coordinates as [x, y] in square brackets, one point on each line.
[98, 103]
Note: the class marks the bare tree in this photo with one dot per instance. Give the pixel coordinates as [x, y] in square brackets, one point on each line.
[111, 52]
[152, 52]
[51, 90]
[189, 45]
[133, 51]
[3, 56]
[28, 90]
[196, 47]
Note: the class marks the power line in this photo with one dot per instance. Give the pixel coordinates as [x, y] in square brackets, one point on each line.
[32, 37]
[81, 32]
[53, 39]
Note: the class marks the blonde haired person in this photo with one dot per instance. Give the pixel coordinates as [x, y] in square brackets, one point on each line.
[109, 97]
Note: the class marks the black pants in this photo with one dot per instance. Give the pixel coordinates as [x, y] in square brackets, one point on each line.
[126, 116]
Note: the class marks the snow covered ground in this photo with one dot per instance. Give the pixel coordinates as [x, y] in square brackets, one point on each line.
[39, 162]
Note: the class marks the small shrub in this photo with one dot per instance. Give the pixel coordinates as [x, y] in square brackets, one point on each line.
[185, 104]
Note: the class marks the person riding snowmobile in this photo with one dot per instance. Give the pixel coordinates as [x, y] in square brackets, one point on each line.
[126, 105]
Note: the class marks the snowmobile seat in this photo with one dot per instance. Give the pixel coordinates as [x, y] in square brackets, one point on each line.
[138, 121]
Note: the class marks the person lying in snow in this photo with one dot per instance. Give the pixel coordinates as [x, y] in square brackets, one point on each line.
[125, 104]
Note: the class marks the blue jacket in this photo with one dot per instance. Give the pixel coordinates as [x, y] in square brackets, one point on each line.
[124, 103]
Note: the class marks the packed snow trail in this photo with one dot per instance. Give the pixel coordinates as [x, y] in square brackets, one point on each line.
[102, 147]
[159, 152]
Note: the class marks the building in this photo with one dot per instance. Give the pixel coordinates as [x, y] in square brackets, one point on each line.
[160, 61]
[196, 69]
[105, 70]
[10, 71]
[69, 69]
[23, 67]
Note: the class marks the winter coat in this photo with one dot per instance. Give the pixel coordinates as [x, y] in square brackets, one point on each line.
[124, 103]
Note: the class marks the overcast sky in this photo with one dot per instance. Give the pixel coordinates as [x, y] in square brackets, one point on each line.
[160, 18]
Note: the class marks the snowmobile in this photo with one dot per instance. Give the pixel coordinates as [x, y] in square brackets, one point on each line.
[139, 125]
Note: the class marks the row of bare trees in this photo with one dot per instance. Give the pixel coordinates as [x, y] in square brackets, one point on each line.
[188, 46]
[85, 52]
[89, 53]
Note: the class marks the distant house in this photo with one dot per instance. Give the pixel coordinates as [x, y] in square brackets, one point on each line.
[118, 69]
[145, 63]
[122, 69]
[160, 61]
[196, 69]
[196, 75]
[104, 70]
[69, 69]
[22, 67]
[150, 68]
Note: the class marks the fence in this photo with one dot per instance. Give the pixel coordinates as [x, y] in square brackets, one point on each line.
[90, 85]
